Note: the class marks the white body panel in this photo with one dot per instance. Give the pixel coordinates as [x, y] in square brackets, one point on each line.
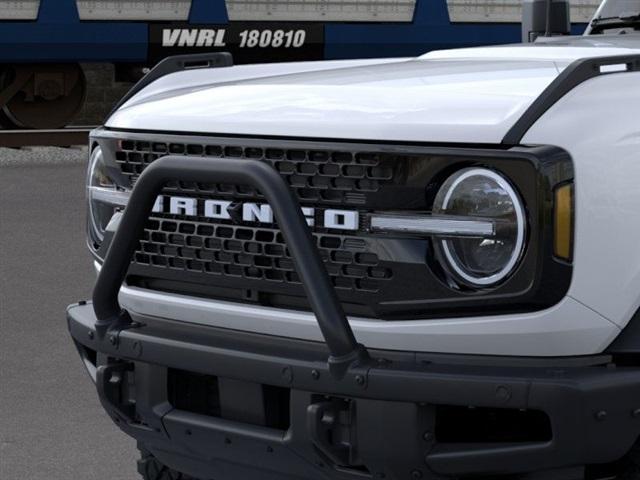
[466, 96]
[568, 328]
[540, 52]
[189, 80]
[445, 101]
[598, 123]
[457, 96]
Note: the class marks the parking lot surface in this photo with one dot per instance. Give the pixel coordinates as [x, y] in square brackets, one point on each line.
[51, 424]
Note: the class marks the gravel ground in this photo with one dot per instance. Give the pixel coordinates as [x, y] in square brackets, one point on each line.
[12, 157]
[52, 426]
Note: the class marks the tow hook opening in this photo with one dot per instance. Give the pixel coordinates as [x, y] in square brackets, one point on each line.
[459, 424]
[245, 402]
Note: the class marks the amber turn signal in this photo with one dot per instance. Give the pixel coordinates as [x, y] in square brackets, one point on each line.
[563, 222]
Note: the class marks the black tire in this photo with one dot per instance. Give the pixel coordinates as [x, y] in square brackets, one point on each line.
[633, 473]
[627, 468]
[632, 465]
[151, 469]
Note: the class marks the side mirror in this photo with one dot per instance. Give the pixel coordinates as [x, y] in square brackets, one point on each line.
[545, 18]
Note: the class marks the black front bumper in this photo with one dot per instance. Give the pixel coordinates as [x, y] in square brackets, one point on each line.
[392, 413]
[226, 405]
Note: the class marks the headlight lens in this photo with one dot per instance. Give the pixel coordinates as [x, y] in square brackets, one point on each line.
[104, 194]
[481, 261]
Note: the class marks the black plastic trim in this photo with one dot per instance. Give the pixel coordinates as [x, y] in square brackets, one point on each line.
[575, 74]
[175, 64]
[628, 342]
[331, 318]
[592, 405]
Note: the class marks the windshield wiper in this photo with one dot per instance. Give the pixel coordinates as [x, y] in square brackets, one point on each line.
[623, 20]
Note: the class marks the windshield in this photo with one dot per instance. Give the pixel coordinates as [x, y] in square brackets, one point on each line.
[618, 8]
[616, 16]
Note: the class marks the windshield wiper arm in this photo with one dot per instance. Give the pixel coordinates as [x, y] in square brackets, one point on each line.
[621, 21]
[624, 17]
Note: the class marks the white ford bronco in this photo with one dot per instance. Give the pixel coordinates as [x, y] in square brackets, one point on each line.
[420, 268]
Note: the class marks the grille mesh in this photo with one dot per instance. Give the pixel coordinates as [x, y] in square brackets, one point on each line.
[315, 176]
[254, 253]
[220, 248]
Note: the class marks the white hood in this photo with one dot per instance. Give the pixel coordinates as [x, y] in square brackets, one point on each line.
[469, 95]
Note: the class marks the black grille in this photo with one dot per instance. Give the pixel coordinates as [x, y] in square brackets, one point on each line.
[253, 253]
[315, 176]
[387, 276]
[223, 252]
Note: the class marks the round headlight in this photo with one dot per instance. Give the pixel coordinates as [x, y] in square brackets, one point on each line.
[481, 261]
[104, 195]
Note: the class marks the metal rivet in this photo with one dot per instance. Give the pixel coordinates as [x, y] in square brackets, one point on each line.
[427, 436]
[315, 374]
[112, 339]
[359, 379]
[416, 474]
[90, 335]
[287, 374]
[503, 393]
[601, 415]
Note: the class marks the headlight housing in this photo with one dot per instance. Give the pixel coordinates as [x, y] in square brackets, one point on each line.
[106, 194]
[486, 259]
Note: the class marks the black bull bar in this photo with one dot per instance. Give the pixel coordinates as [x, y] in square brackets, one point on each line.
[337, 333]
[593, 409]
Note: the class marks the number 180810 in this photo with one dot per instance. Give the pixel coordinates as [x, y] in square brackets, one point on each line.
[272, 38]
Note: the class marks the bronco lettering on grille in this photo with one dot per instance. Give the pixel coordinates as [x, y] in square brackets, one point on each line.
[251, 212]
